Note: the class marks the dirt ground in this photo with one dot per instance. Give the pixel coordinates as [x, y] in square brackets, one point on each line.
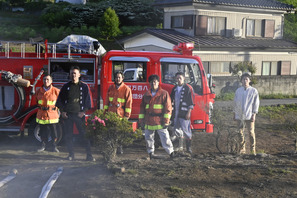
[207, 173]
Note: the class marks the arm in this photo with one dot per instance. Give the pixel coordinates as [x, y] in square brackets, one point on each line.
[190, 96]
[167, 109]
[106, 102]
[141, 116]
[128, 105]
[256, 105]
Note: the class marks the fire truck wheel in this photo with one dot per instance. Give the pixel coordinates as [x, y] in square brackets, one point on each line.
[59, 133]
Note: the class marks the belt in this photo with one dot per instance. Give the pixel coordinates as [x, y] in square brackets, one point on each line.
[155, 114]
[48, 108]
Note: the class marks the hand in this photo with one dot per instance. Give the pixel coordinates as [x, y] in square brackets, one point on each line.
[81, 114]
[64, 115]
[188, 115]
[253, 118]
[165, 126]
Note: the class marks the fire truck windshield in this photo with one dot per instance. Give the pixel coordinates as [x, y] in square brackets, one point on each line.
[190, 67]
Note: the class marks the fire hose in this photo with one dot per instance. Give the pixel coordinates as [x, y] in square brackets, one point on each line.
[18, 83]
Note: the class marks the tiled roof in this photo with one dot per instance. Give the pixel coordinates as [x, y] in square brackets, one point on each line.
[267, 4]
[217, 43]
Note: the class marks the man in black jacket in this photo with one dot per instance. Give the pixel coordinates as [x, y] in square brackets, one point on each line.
[73, 101]
[182, 102]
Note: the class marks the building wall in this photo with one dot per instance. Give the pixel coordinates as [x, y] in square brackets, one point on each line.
[150, 43]
[235, 19]
[256, 58]
[147, 42]
[266, 85]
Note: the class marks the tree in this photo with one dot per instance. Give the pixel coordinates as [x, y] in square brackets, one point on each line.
[243, 67]
[110, 24]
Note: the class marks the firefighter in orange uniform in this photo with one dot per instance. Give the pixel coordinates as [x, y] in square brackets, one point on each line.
[154, 116]
[119, 99]
[47, 115]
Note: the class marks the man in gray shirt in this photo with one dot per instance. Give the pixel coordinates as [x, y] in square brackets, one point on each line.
[246, 105]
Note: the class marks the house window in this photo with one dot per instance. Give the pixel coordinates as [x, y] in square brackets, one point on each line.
[177, 22]
[260, 28]
[220, 67]
[208, 25]
[273, 68]
[253, 27]
[216, 26]
[185, 21]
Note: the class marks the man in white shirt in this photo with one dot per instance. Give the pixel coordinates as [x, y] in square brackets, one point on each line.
[246, 107]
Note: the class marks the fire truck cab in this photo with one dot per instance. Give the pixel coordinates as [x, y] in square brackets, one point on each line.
[139, 65]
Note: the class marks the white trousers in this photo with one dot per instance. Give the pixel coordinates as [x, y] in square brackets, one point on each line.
[164, 137]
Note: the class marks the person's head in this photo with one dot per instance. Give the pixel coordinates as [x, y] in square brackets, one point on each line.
[154, 81]
[180, 78]
[246, 79]
[47, 80]
[118, 77]
[75, 74]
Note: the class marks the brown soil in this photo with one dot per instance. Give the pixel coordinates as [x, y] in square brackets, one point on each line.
[207, 173]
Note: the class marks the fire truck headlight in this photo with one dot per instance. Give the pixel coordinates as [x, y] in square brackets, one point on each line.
[198, 121]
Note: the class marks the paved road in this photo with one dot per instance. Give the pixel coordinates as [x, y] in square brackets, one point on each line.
[263, 102]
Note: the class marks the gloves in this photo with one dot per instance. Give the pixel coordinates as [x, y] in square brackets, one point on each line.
[165, 126]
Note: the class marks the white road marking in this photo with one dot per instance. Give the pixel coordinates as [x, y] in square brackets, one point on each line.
[49, 184]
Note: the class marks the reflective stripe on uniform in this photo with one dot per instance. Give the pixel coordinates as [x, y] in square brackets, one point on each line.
[47, 121]
[47, 103]
[158, 106]
[122, 100]
[154, 127]
[166, 115]
[110, 99]
[105, 107]
[51, 102]
[128, 110]
[141, 116]
[147, 106]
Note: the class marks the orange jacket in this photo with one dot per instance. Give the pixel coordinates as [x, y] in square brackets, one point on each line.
[46, 100]
[119, 100]
[155, 112]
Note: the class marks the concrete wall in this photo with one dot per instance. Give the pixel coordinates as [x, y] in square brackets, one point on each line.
[286, 85]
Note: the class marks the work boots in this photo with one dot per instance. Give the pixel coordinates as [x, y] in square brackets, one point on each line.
[180, 145]
[55, 149]
[42, 148]
[188, 145]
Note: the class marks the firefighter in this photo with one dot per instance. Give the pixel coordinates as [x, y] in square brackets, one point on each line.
[154, 116]
[182, 100]
[119, 99]
[73, 101]
[47, 115]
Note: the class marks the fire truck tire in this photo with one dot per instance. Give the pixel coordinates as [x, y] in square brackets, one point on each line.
[59, 133]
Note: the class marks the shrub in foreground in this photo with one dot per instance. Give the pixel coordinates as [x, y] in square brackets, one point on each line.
[108, 131]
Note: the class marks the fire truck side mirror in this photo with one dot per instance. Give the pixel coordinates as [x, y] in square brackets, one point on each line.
[210, 83]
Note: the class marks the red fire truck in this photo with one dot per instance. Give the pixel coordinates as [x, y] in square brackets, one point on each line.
[21, 72]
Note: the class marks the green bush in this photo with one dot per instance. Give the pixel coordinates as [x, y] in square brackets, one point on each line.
[225, 96]
[128, 30]
[55, 15]
[109, 131]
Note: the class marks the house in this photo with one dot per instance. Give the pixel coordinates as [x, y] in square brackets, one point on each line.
[225, 32]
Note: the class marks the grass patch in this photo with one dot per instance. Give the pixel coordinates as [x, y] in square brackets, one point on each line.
[132, 172]
[176, 190]
[277, 96]
[225, 96]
